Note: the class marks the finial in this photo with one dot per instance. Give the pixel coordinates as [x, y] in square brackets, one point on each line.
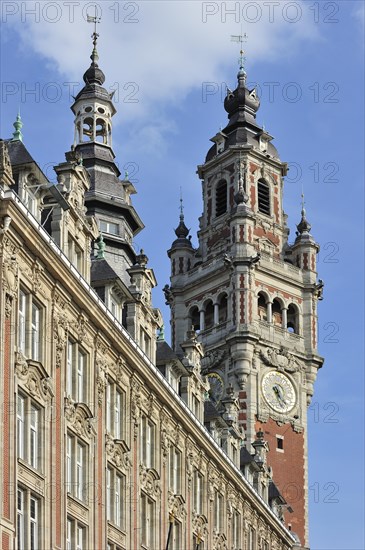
[304, 226]
[18, 125]
[181, 206]
[101, 248]
[161, 334]
[126, 176]
[94, 19]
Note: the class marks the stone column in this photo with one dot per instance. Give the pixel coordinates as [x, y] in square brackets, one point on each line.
[216, 314]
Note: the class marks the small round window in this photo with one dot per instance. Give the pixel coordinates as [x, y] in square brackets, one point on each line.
[101, 110]
[88, 109]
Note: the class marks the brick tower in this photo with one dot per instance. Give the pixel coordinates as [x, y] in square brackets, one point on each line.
[252, 296]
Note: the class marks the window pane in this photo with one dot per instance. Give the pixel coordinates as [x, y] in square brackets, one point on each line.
[20, 426]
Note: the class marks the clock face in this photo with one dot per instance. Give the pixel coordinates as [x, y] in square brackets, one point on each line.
[216, 386]
[278, 391]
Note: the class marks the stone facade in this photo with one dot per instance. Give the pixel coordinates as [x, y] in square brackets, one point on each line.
[112, 439]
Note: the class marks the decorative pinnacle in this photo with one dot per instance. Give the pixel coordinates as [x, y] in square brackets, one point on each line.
[303, 226]
[181, 231]
[18, 125]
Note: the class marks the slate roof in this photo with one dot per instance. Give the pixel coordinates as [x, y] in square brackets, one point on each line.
[165, 353]
[101, 271]
[18, 153]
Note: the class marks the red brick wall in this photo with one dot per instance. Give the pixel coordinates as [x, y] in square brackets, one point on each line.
[288, 471]
[8, 412]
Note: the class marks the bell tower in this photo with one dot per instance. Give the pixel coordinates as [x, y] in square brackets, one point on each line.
[252, 295]
[109, 197]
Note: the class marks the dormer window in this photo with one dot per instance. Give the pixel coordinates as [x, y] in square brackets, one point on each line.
[109, 227]
[263, 195]
[221, 198]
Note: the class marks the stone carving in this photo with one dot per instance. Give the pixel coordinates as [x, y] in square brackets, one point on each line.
[219, 542]
[118, 452]
[280, 359]
[35, 276]
[6, 172]
[11, 278]
[176, 506]
[102, 368]
[60, 329]
[150, 481]
[212, 359]
[135, 406]
[80, 418]
[34, 377]
[200, 523]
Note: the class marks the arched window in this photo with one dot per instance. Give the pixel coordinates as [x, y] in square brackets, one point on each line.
[261, 307]
[194, 318]
[263, 196]
[221, 198]
[223, 308]
[293, 319]
[276, 313]
[209, 314]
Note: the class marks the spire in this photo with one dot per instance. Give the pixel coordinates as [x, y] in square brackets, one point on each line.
[303, 226]
[181, 231]
[94, 75]
[18, 125]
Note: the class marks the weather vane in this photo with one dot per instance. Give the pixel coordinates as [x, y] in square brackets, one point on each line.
[94, 19]
[241, 38]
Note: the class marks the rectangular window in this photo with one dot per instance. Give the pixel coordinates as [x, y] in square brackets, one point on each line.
[114, 410]
[115, 497]
[28, 527]
[76, 467]
[77, 373]
[109, 227]
[198, 492]
[29, 327]
[176, 536]
[75, 535]
[251, 539]
[147, 442]
[29, 417]
[196, 406]
[75, 253]
[147, 522]
[175, 470]
[236, 526]
[218, 510]
[280, 443]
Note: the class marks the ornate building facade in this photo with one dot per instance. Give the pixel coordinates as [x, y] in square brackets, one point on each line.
[112, 439]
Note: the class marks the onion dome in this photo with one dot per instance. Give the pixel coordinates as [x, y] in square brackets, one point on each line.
[182, 231]
[304, 227]
[241, 100]
[94, 75]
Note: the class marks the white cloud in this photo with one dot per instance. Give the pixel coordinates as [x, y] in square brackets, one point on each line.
[167, 52]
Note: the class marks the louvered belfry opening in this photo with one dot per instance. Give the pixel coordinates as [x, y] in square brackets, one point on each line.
[263, 193]
[221, 198]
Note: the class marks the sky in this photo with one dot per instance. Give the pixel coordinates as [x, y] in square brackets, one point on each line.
[170, 63]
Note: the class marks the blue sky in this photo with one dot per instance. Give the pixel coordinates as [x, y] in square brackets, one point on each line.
[170, 63]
